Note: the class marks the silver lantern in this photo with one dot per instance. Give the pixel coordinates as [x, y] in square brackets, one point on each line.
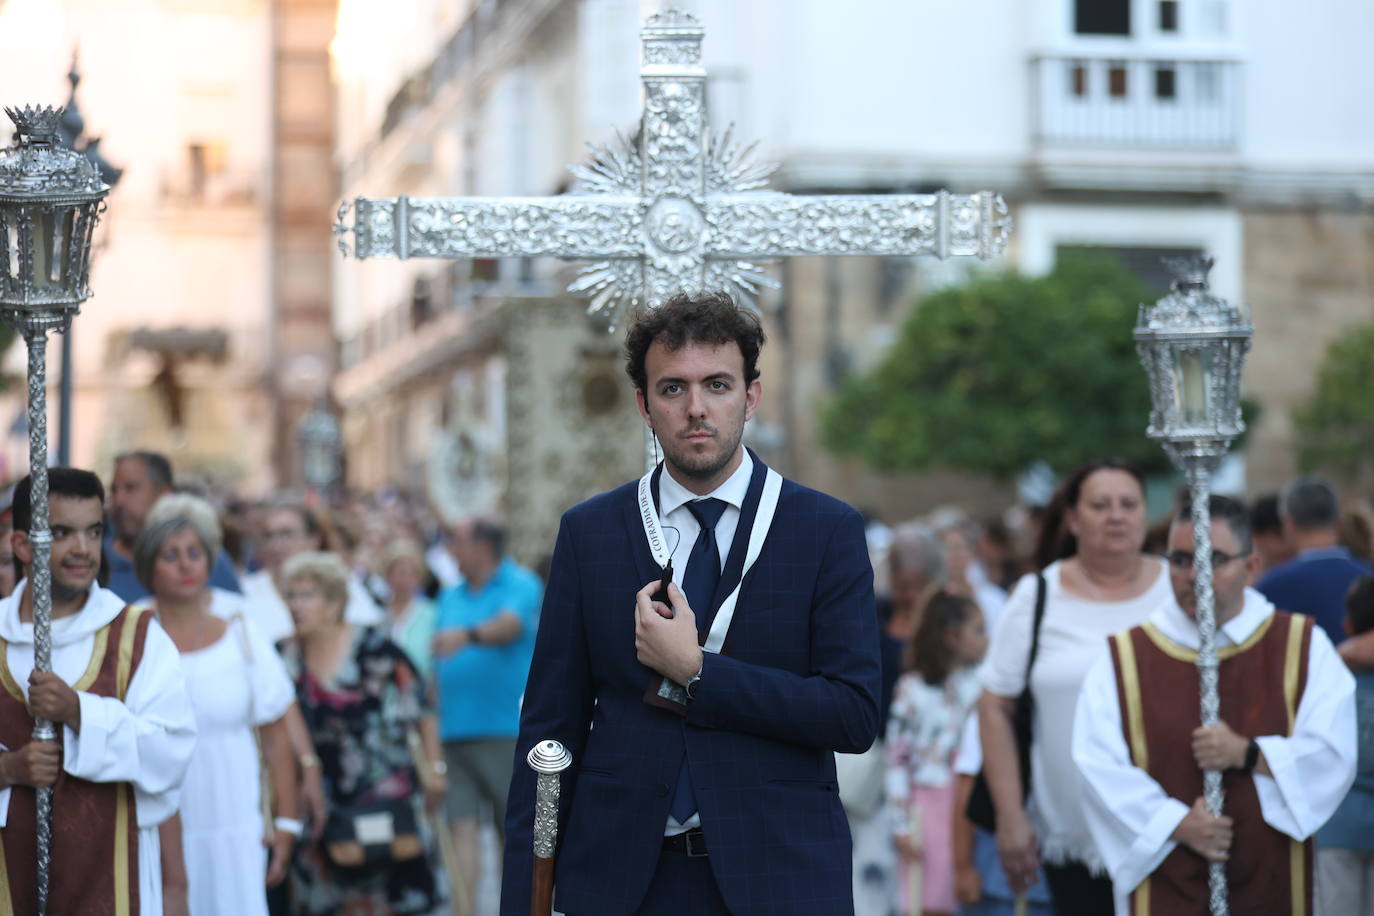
[50, 201]
[1193, 345]
[321, 446]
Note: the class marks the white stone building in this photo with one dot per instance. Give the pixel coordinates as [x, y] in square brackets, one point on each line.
[1145, 126]
[208, 332]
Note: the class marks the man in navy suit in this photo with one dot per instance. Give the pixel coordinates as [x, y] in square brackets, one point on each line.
[702, 728]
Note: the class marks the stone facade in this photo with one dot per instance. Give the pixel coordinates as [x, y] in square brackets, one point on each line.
[1309, 275]
[520, 410]
[305, 186]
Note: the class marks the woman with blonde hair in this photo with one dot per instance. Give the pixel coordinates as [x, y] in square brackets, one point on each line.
[410, 614]
[240, 692]
[360, 696]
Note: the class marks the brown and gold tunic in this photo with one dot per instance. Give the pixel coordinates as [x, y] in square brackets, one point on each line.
[1268, 871]
[94, 830]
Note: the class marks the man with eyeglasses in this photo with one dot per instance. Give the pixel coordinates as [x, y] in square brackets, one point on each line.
[1286, 743]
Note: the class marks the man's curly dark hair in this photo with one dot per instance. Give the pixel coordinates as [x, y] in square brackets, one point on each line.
[688, 318]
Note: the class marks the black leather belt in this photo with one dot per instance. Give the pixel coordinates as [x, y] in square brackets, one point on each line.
[692, 843]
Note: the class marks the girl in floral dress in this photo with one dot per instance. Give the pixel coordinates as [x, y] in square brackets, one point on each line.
[932, 699]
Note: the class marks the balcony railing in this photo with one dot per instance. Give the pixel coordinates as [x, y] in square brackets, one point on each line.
[1137, 102]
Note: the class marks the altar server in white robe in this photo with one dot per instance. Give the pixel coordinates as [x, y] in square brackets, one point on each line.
[1286, 743]
[125, 726]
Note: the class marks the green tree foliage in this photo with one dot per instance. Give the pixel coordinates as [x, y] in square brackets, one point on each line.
[1336, 426]
[1007, 370]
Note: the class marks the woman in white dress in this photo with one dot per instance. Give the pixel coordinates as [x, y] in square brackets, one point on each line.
[240, 693]
[1098, 581]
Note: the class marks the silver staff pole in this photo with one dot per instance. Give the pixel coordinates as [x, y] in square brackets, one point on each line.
[40, 579]
[548, 759]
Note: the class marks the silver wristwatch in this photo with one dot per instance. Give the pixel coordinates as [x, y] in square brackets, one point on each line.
[691, 685]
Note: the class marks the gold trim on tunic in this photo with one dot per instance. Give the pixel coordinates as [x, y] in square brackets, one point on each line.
[102, 641]
[1292, 666]
[126, 650]
[123, 672]
[1135, 709]
[121, 850]
[1184, 654]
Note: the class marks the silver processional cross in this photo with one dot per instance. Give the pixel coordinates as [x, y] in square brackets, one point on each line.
[675, 208]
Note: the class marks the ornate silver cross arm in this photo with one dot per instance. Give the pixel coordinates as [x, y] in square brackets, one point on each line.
[485, 227]
[676, 207]
[940, 224]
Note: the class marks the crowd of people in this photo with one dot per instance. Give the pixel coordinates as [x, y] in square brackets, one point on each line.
[1055, 663]
[311, 709]
[351, 676]
[332, 684]
[364, 667]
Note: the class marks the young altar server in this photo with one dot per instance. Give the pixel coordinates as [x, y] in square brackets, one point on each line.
[125, 729]
[1285, 743]
[702, 724]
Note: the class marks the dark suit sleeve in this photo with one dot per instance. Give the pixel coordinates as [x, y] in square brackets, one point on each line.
[834, 707]
[557, 704]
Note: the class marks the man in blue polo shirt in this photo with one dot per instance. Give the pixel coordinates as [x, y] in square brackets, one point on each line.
[484, 640]
[1316, 581]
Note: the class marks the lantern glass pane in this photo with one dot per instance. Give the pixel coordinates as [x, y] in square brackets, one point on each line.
[9, 247]
[43, 253]
[66, 244]
[1192, 386]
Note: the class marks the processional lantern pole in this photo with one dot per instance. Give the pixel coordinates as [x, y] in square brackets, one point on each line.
[50, 201]
[1193, 345]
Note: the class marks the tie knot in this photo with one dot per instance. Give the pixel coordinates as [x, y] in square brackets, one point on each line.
[707, 511]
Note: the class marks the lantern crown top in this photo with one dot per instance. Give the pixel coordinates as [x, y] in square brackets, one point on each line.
[40, 168]
[1190, 306]
[1189, 271]
[36, 125]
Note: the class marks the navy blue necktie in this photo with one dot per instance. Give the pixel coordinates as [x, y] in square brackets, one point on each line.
[699, 582]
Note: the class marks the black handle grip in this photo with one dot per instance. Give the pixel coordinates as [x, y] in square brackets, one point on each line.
[662, 593]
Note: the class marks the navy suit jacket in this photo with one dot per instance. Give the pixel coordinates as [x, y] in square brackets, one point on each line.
[797, 679]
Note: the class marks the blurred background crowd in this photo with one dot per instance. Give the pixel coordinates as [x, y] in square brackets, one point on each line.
[406, 642]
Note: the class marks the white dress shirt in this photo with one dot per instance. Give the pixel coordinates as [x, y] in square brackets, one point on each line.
[673, 513]
[1130, 815]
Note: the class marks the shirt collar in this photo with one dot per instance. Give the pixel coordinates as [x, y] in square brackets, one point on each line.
[673, 495]
[496, 576]
[1321, 553]
[1182, 629]
[100, 608]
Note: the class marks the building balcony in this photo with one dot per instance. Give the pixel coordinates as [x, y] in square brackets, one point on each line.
[1136, 103]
